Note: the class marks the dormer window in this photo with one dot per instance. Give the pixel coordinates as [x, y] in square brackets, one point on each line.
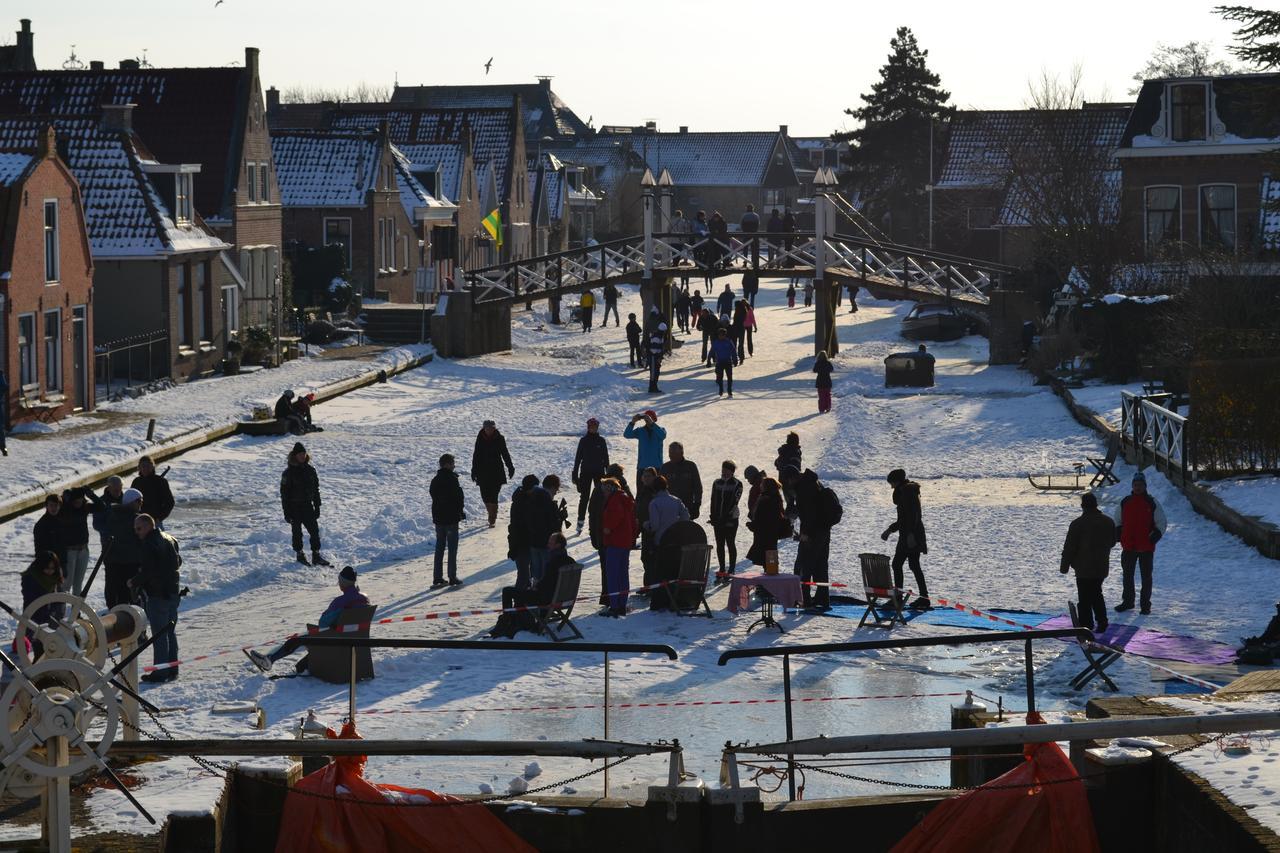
[182, 210]
[1189, 112]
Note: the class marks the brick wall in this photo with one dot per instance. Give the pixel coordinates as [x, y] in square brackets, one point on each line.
[27, 293]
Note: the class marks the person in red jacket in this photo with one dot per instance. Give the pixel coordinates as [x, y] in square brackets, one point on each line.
[619, 528]
[1140, 524]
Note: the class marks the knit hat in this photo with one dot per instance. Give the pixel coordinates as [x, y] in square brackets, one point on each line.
[1140, 477]
[592, 422]
[288, 393]
[897, 475]
[130, 496]
[651, 414]
[297, 448]
[489, 423]
[347, 574]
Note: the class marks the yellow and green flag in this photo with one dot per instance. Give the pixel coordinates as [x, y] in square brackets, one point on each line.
[493, 224]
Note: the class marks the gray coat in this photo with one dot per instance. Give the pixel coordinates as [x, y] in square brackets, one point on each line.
[665, 510]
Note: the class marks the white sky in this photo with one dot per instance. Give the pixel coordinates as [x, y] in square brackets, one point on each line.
[745, 65]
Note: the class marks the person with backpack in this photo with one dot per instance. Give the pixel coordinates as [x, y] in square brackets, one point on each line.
[723, 354]
[911, 539]
[158, 563]
[589, 465]
[635, 352]
[610, 304]
[447, 512]
[619, 529]
[587, 309]
[726, 493]
[820, 510]
[1140, 524]
[822, 367]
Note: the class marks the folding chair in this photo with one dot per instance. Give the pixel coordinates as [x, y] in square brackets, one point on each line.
[691, 583]
[333, 663]
[1097, 665]
[1103, 466]
[554, 618]
[877, 586]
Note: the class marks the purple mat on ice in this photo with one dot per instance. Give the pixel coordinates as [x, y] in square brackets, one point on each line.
[1155, 644]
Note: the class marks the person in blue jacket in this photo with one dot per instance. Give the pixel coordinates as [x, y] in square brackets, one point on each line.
[651, 438]
[723, 353]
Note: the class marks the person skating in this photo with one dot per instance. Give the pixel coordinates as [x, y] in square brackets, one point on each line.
[683, 479]
[820, 510]
[788, 228]
[618, 526]
[808, 293]
[650, 440]
[635, 351]
[911, 538]
[702, 253]
[725, 301]
[791, 295]
[544, 517]
[157, 497]
[682, 304]
[518, 529]
[774, 227]
[1087, 549]
[610, 305]
[300, 500]
[822, 367]
[657, 349]
[589, 464]
[853, 299]
[349, 597]
[157, 577]
[768, 524]
[490, 467]
[696, 304]
[587, 309]
[708, 325]
[447, 511]
[726, 494]
[122, 550]
[723, 355]
[1140, 524]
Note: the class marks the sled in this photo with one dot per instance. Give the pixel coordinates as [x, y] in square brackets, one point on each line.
[1073, 486]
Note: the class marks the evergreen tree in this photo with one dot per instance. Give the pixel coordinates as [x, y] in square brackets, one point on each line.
[1258, 36]
[889, 153]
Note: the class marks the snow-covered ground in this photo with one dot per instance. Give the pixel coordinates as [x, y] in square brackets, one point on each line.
[1104, 399]
[43, 456]
[994, 543]
[1255, 496]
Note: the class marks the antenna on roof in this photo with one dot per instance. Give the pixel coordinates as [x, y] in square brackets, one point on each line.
[73, 62]
[142, 60]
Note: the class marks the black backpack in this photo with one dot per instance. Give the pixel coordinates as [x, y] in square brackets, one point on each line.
[832, 511]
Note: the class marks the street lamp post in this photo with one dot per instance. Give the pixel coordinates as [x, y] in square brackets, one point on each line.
[824, 182]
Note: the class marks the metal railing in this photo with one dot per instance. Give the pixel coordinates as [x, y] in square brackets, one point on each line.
[1156, 435]
[785, 652]
[135, 360]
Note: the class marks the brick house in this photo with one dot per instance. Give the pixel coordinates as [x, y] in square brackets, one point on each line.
[213, 118]
[1194, 158]
[356, 189]
[46, 286]
[165, 288]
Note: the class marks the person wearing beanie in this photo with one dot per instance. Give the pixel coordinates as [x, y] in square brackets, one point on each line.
[1090, 539]
[657, 349]
[157, 497]
[300, 500]
[350, 597]
[589, 464]
[489, 459]
[911, 538]
[122, 553]
[1140, 524]
[285, 414]
[650, 440]
[447, 511]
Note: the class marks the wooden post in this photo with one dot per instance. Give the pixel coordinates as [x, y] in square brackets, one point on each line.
[151, 430]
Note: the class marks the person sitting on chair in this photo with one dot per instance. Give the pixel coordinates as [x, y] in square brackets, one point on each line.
[350, 597]
[538, 596]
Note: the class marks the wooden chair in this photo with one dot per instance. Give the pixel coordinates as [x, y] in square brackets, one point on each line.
[553, 619]
[333, 664]
[1105, 476]
[691, 583]
[1098, 660]
[877, 586]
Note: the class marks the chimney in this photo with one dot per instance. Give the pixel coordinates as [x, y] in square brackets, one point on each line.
[26, 55]
[129, 65]
[118, 117]
[97, 65]
[651, 127]
[782, 128]
[684, 128]
[273, 101]
[545, 83]
[48, 145]
[251, 61]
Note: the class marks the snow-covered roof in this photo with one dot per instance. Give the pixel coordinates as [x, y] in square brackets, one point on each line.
[1243, 112]
[709, 159]
[1020, 206]
[443, 157]
[1270, 213]
[12, 167]
[413, 195]
[125, 214]
[545, 114]
[325, 168]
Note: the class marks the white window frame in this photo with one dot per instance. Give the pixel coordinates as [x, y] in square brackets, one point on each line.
[324, 233]
[231, 309]
[52, 242]
[252, 182]
[182, 210]
[1235, 213]
[28, 370]
[52, 351]
[1146, 230]
[779, 197]
[264, 183]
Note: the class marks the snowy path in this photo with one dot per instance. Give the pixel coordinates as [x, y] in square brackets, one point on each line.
[994, 543]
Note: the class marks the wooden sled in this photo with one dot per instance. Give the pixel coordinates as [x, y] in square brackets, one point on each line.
[1049, 486]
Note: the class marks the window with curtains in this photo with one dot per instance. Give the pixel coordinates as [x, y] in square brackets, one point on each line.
[1189, 112]
[1164, 212]
[53, 350]
[1218, 216]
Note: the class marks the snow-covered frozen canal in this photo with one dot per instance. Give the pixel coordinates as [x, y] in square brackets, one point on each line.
[994, 543]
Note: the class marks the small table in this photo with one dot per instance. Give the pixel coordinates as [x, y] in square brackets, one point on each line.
[783, 589]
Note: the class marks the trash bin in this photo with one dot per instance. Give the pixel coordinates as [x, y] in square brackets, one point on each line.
[909, 369]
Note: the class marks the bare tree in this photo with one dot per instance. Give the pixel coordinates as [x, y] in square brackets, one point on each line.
[1193, 59]
[363, 92]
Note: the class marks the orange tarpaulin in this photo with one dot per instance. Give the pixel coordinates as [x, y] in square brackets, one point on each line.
[1016, 813]
[327, 812]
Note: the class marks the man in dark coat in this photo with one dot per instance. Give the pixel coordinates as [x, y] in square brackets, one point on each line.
[73, 519]
[447, 510]
[814, 502]
[789, 464]
[1090, 539]
[518, 529]
[589, 465]
[635, 351]
[284, 414]
[123, 548]
[157, 497]
[683, 479]
[657, 348]
[300, 501]
[489, 460]
[48, 532]
[910, 530]
[541, 594]
[544, 517]
[158, 564]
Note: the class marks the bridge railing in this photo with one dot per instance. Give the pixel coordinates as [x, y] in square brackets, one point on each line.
[1154, 434]
[542, 274]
